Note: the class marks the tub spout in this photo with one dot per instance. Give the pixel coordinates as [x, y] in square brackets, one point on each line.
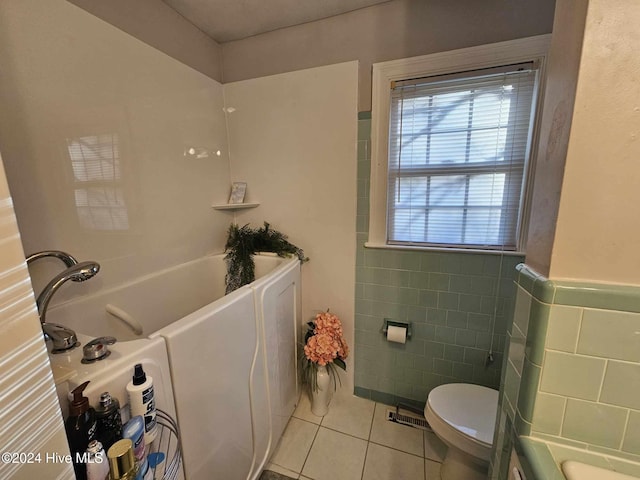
[77, 273]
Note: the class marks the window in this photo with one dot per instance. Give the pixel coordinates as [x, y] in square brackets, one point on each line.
[455, 159]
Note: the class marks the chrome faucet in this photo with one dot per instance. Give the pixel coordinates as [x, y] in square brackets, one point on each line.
[63, 338]
[69, 260]
[77, 273]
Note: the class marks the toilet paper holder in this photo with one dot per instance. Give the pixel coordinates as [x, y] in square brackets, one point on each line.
[392, 323]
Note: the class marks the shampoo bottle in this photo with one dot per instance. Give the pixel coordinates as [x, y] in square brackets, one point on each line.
[142, 401]
[109, 420]
[80, 428]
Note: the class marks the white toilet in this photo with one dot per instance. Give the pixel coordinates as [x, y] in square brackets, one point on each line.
[463, 416]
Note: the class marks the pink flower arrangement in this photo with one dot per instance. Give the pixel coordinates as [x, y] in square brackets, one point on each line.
[324, 342]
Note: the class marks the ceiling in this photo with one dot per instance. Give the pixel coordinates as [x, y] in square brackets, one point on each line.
[226, 20]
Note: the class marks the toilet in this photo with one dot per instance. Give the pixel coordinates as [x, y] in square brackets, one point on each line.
[463, 416]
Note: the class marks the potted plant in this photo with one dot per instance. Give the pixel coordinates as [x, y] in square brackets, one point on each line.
[325, 350]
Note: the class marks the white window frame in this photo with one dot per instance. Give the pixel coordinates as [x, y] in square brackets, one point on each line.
[484, 56]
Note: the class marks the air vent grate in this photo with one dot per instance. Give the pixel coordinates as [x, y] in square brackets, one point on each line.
[415, 422]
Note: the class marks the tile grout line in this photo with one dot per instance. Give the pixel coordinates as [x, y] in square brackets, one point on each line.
[373, 416]
[366, 452]
[401, 451]
[604, 375]
[624, 430]
[564, 413]
[577, 342]
[309, 451]
[424, 453]
[344, 433]
[367, 439]
[364, 463]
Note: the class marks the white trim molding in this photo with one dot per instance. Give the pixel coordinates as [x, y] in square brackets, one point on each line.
[484, 56]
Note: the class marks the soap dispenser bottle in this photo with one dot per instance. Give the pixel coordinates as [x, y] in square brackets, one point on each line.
[81, 428]
[142, 401]
[109, 420]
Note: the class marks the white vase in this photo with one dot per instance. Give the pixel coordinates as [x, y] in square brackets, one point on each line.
[321, 398]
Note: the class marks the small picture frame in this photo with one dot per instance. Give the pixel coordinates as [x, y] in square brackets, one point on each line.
[238, 189]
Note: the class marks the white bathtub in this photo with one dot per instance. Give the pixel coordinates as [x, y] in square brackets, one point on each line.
[232, 358]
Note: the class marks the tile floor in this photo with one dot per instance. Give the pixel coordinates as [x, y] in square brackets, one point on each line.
[354, 441]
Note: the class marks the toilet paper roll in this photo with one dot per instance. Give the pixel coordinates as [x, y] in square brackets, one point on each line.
[396, 334]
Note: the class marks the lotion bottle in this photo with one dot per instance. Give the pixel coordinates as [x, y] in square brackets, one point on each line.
[142, 401]
[80, 427]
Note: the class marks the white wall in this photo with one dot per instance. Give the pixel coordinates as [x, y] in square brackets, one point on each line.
[156, 23]
[598, 234]
[67, 75]
[293, 140]
[388, 31]
[30, 417]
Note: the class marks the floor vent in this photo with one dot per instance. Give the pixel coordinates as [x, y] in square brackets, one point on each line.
[408, 420]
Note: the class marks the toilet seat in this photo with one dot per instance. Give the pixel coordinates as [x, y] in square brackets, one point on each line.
[464, 416]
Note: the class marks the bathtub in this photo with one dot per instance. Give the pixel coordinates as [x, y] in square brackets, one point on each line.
[232, 358]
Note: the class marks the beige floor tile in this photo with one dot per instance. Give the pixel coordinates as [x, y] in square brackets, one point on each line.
[351, 415]
[284, 471]
[432, 470]
[394, 435]
[295, 444]
[434, 449]
[335, 456]
[303, 410]
[387, 464]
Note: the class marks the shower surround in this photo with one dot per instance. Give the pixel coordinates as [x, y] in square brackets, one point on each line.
[95, 136]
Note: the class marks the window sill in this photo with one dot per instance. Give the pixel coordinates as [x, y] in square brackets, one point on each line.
[416, 248]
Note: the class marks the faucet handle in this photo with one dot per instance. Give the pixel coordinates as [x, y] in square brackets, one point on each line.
[97, 349]
[63, 338]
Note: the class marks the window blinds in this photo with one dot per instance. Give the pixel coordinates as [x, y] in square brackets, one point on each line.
[458, 147]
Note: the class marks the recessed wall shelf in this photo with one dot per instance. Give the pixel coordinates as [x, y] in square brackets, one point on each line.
[234, 206]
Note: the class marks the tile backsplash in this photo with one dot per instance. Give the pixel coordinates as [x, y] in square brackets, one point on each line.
[582, 388]
[592, 368]
[450, 299]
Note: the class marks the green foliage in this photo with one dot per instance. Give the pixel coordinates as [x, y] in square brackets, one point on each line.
[243, 243]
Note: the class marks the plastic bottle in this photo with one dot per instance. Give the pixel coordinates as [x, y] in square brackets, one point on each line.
[109, 420]
[80, 428]
[142, 401]
[97, 464]
[134, 431]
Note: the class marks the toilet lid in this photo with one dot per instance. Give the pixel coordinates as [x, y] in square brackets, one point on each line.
[471, 409]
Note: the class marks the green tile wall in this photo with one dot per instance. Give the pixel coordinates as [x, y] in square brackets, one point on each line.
[583, 353]
[448, 297]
